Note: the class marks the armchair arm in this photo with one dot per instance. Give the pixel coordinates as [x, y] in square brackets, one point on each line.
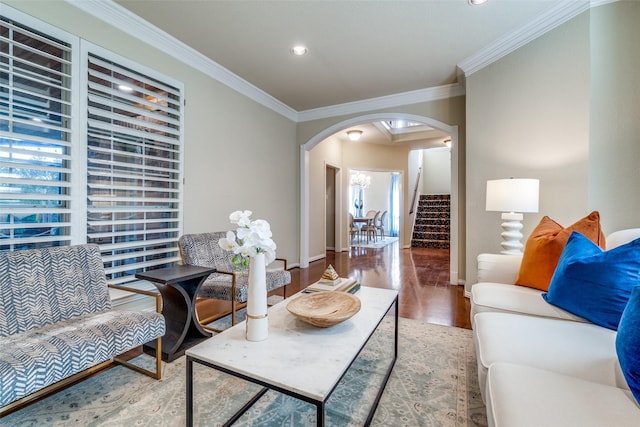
[284, 261]
[498, 268]
[156, 295]
[228, 273]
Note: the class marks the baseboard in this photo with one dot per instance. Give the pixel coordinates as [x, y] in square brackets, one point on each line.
[317, 257]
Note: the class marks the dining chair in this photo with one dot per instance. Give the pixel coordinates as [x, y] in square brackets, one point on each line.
[380, 224]
[353, 229]
[370, 227]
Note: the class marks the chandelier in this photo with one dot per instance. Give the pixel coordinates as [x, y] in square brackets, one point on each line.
[360, 180]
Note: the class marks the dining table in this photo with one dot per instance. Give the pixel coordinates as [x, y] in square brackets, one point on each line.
[364, 221]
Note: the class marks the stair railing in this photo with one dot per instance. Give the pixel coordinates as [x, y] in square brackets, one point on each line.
[415, 192]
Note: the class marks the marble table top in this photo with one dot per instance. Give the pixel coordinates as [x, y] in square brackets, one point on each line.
[297, 356]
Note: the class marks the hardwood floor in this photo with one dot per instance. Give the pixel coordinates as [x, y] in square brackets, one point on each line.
[420, 275]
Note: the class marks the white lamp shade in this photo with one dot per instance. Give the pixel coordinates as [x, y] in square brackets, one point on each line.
[512, 195]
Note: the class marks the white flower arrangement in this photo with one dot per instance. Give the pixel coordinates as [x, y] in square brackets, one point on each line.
[251, 238]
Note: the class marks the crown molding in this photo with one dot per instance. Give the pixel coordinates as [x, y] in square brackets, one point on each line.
[389, 101]
[129, 23]
[510, 42]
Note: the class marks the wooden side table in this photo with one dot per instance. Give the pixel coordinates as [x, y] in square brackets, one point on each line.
[178, 286]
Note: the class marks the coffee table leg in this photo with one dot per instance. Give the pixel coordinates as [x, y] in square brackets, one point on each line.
[320, 414]
[385, 380]
[189, 401]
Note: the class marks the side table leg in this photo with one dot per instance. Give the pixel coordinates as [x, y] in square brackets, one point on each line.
[177, 312]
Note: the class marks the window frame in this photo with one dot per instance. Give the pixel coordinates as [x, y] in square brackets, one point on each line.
[88, 48]
[79, 114]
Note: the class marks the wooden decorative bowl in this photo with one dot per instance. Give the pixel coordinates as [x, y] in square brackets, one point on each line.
[324, 309]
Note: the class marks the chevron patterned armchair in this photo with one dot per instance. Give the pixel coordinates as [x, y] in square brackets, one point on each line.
[57, 324]
[227, 283]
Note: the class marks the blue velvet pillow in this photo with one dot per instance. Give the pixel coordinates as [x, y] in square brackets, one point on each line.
[628, 343]
[592, 283]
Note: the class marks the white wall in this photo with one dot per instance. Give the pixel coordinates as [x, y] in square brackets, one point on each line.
[564, 109]
[528, 117]
[327, 152]
[436, 171]
[614, 143]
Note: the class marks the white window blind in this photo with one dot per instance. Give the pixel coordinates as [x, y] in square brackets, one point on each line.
[133, 168]
[35, 138]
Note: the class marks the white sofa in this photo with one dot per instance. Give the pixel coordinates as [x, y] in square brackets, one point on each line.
[539, 365]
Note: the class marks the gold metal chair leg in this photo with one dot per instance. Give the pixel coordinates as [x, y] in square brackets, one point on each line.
[155, 375]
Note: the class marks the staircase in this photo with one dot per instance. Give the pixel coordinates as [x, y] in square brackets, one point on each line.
[431, 228]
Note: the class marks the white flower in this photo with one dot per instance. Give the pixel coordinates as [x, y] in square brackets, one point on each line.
[240, 217]
[228, 243]
[250, 238]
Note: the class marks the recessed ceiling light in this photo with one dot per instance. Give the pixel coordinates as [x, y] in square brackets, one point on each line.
[354, 135]
[299, 50]
[476, 2]
[125, 88]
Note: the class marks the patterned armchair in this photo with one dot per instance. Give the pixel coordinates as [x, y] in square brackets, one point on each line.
[228, 283]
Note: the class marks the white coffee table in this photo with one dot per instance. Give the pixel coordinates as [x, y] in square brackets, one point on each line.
[297, 359]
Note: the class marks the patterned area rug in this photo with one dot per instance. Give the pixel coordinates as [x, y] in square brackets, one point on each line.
[434, 383]
[380, 243]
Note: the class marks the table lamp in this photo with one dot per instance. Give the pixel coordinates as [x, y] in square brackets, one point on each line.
[512, 197]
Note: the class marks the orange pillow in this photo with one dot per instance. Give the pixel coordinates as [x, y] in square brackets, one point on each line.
[544, 247]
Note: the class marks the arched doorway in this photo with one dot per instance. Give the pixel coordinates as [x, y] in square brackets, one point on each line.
[368, 118]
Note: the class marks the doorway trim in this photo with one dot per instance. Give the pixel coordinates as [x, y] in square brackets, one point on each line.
[367, 118]
[337, 203]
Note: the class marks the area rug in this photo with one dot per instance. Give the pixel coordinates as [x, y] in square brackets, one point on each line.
[380, 243]
[434, 383]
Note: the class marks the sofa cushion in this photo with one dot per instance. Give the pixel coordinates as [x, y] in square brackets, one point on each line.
[628, 343]
[498, 268]
[580, 349]
[593, 283]
[620, 237]
[40, 357]
[523, 396]
[500, 297]
[544, 247]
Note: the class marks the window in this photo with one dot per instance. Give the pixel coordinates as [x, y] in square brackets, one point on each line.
[133, 168]
[96, 159]
[35, 138]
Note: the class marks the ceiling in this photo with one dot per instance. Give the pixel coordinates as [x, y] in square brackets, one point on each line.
[358, 50]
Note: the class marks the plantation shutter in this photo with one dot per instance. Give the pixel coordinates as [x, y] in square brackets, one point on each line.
[133, 168]
[35, 138]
